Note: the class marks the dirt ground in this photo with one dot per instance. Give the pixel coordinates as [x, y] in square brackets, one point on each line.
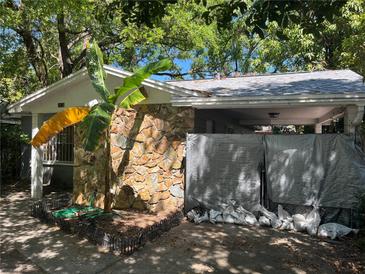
[28, 246]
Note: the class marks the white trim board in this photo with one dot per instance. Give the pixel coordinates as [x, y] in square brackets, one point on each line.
[82, 75]
[265, 101]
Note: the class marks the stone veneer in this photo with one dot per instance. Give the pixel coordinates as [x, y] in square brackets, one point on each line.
[147, 149]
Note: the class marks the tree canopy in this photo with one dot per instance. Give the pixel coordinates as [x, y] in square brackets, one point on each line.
[43, 41]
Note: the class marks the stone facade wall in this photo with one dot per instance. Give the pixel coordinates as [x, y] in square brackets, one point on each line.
[147, 149]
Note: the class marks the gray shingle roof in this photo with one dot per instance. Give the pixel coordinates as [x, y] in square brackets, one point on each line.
[319, 82]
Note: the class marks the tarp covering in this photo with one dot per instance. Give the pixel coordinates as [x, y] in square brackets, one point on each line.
[223, 167]
[325, 170]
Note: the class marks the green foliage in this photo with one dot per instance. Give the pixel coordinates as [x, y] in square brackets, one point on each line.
[142, 13]
[305, 129]
[99, 118]
[212, 36]
[14, 133]
[16, 77]
[95, 125]
[131, 83]
[134, 98]
[11, 139]
[42, 41]
[94, 64]
[308, 13]
[353, 44]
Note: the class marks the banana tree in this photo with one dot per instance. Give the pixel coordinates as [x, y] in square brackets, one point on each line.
[96, 120]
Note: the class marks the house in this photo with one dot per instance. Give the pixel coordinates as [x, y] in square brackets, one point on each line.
[148, 142]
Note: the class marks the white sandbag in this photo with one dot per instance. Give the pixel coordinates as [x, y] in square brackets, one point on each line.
[219, 219]
[202, 218]
[333, 230]
[274, 220]
[313, 220]
[192, 214]
[229, 219]
[283, 214]
[246, 219]
[251, 219]
[228, 209]
[265, 212]
[215, 216]
[285, 218]
[275, 223]
[264, 221]
[246, 216]
[299, 222]
[229, 213]
[197, 217]
[241, 209]
[241, 219]
[287, 225]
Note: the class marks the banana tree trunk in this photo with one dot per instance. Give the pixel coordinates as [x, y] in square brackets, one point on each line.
[108, 198]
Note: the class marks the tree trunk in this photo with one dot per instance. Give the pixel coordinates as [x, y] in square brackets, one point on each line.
[35, 53]
[35, 57]
[108, 196]
[66, 62]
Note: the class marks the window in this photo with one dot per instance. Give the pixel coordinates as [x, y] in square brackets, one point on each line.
[60, 149]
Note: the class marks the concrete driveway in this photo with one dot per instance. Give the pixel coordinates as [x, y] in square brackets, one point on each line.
[27, 246]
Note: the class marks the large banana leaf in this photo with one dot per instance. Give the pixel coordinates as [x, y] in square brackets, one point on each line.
[132, 99]
[95, 124]
[94, 60]
[132, 83]
[58, 122]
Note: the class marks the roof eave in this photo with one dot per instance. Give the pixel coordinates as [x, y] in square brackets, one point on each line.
[265, 101]
[17, 107]
[172, 89]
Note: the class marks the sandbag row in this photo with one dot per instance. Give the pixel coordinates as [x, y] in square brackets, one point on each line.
[233, 213]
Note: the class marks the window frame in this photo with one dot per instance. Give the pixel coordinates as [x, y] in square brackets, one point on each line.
[60, 149]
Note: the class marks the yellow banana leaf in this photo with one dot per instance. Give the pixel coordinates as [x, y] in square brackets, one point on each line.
[58, 122]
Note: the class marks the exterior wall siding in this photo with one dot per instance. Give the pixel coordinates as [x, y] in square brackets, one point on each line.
[147, 150]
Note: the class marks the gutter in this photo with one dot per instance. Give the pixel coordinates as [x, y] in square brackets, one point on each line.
[264, 101]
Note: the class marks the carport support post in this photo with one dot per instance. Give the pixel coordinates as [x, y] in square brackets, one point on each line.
[36, 163]
[353, 118]
[318, 128]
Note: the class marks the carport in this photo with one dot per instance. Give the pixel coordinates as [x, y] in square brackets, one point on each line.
[226, 160]
[308, 98]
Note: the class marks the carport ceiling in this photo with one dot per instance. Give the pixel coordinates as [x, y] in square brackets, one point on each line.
[297, 115]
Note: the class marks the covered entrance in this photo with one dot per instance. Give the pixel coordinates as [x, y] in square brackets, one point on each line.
[250, 119]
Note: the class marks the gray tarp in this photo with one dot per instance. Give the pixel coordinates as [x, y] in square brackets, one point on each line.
[221, 167]
[325, 170]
